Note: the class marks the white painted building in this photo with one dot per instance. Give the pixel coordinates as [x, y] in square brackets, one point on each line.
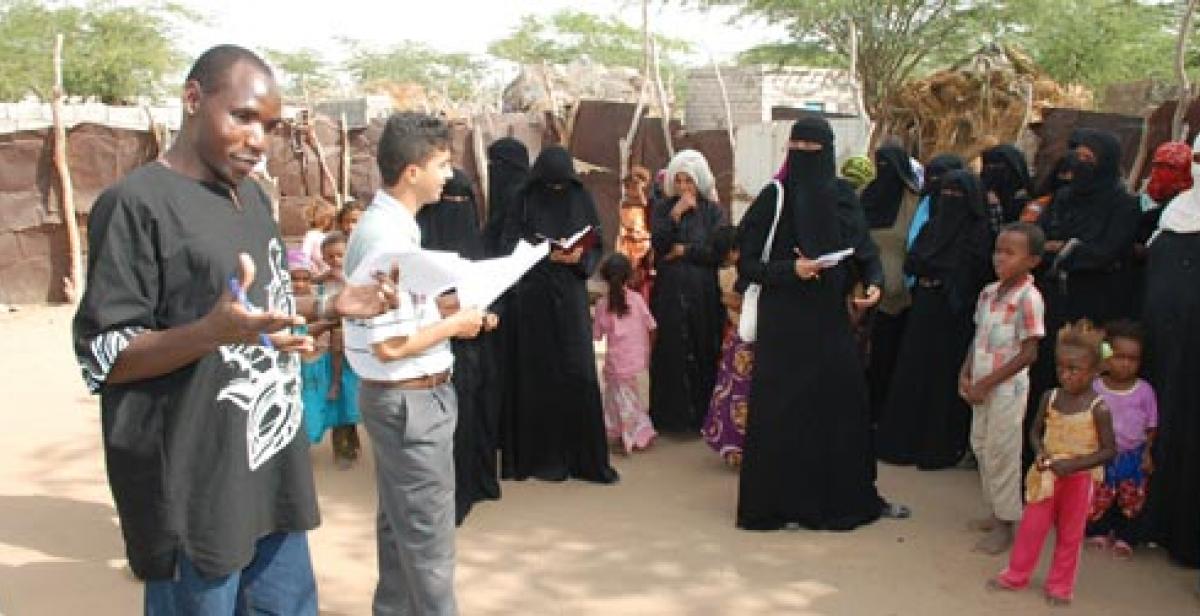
[759, 94]
[762, 148]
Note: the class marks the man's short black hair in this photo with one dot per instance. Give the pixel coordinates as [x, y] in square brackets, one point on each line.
[1035, 238]
[211, 69]
[409, 138]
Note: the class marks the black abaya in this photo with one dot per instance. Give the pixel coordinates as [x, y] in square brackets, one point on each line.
[1172, 321]
[889, 203]
[1097, 281]
[452, 224]
[686, 303]
[556, 429]
[807, 456]
[925, 422]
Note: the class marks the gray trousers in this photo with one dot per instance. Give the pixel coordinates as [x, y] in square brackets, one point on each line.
[412, 432]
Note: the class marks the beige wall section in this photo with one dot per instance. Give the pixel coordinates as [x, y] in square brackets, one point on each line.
[754, 90]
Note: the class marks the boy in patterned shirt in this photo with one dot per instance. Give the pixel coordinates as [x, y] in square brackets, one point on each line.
[995, 378]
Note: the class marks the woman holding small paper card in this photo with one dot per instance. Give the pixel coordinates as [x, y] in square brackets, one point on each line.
[807, 457]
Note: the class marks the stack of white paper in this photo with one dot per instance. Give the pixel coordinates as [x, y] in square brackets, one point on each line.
[433, 272]
[833, 258]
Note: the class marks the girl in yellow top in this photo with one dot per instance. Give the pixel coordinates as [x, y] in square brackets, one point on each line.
[1073, 438]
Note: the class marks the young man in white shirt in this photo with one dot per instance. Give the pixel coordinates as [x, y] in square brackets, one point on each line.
[404, 360]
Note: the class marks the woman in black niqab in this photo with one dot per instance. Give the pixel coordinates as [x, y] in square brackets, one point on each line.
[894, 177]
[556, 426]
[924, 421]
[807, 457]
[890, 203]
[508, 170]
[452, 224]
[1091, 227]
[1006, 183]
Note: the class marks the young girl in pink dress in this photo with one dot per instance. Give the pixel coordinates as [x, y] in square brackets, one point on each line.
[623, 318]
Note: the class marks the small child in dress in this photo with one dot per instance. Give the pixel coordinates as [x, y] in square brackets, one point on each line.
[1118, 501]
[995, 378]
[315, 370]
[623, 318]
[343, 389]
[319, 215]
[725, 426]
[1072, 438]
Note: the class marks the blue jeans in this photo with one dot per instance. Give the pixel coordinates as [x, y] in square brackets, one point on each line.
[278, 581]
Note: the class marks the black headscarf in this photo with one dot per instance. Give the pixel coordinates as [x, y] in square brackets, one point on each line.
[937, 168]
[956, 213]
[1006, 173]
[893, 176]
[811, 188]
[1053, 183]
[508, 170]
[1082, 209]
[453, 222]
[955, 246]
[555, 203]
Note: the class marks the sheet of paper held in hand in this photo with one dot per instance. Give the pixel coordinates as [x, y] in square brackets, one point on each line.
[833, 258]
[433, 272]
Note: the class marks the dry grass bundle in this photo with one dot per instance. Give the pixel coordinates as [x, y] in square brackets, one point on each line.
[980, 102]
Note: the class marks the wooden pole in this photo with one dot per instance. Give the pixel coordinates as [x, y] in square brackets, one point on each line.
[481, 167]
[324, 169]
[724, 99]
[1143, 150]
[73, 284]
[1185, 30]
[559, 124]
[662, 98]
[345, 171]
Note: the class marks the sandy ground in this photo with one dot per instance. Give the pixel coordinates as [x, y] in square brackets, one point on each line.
[660, 542]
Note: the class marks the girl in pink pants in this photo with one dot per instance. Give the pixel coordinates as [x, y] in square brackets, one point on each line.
[1073, 438]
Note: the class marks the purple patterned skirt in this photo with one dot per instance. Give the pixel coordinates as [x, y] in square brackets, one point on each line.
[725, 426]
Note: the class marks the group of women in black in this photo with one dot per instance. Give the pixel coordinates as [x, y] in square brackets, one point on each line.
[1107, 258]
[530, 389]
[820, 415]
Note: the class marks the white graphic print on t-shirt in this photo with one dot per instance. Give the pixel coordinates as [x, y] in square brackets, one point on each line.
[267, 382]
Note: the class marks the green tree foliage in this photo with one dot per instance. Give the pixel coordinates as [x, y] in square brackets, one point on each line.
[894, 36]
[305, 72]
[1090, 42]
[113, 53]
[570, 35]
[457, 76]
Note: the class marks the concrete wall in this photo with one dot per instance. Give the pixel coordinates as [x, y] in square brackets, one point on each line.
[36, 116]
[706, 106]
[754, 90]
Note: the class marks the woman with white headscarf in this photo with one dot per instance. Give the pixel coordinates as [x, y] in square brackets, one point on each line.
[1171, 316]
[686, 300]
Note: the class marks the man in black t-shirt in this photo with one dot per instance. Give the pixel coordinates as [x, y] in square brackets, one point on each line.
[183, 332]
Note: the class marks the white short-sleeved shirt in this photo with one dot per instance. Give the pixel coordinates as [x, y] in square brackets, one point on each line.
[389, 226]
